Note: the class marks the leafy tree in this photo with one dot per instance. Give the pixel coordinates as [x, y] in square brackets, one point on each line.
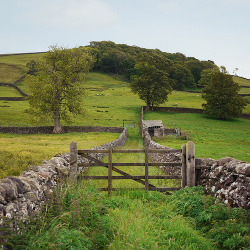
[182, 77]
[223, 70]
[57, 90]
[32, 65]
[196, 67]
[152, 83]
[222, 98]
[206, 76]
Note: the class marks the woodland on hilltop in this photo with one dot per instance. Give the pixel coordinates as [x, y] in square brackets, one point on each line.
[121, 59]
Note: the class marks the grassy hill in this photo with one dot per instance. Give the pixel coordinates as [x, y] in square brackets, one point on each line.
[109, 102]
[88, 219]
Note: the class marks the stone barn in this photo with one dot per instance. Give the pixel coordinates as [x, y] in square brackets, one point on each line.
[154, 127]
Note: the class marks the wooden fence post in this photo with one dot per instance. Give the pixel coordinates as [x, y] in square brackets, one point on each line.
[146, 168]
[190, 161]
[183, 167]
[110, 172]
[73, 162]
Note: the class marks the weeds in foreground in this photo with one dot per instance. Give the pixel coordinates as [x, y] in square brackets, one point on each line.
[80, 217]
[227, 227]
[71, 218]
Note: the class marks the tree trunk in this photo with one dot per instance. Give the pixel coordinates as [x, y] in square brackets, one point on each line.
[148, 106]
[57, 124]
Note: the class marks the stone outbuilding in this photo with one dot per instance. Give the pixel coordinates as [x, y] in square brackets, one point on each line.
[154, 127]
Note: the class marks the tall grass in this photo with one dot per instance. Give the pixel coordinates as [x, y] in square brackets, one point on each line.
[17, 152]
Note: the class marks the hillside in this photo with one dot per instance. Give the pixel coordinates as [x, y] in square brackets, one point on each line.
[109, 102]
[84, 218]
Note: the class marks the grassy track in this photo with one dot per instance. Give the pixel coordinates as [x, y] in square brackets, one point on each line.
[142, 220]
[213, 138]
[134, 142]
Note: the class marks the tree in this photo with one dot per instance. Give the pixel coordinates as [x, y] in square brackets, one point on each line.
[223, 70]
[182, 77]
[206, 77]
[222, 98]
[32, 65]
[196, 67]
[57, 90]
[152, 83]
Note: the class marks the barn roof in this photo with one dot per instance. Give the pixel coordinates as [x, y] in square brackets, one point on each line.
[152, 123]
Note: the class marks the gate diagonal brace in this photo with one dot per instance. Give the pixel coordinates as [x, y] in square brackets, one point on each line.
[93, 159]
[115, 169]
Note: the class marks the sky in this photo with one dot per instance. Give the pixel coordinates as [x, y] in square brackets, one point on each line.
[217, 30]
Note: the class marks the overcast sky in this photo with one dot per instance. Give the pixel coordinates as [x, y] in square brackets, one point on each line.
[217, 30]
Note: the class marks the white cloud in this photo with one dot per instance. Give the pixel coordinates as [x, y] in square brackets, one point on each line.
[71, 14]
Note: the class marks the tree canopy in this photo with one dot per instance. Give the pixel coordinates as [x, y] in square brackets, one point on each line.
[221, 95]
[152, 83]
[57, 89]
[121, 58]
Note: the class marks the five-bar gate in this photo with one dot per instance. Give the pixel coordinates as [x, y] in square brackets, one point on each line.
[187, 165]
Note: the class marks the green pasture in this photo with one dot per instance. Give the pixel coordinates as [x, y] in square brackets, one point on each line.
[12, 67]
[244, 91]
[213, 138]
[19, 59]
[8, 92]
[241, 81]
[17, 152]
[10, 73]
[108, 102]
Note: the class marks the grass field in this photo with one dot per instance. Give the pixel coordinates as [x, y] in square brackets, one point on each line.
[17, 152]
[241, 81]
[244, 91]
[10, 73]
[8, 92]
[213, 138]
[81, 217]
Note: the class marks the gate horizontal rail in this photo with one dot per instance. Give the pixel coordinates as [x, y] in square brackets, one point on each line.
[169, 164]
[187, 165]
[83, 151]
[134, 177]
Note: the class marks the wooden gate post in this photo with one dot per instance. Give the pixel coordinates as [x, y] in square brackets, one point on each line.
[146, 168]
[73, 162]
[183, 167]
[190, 161]
[110, 172]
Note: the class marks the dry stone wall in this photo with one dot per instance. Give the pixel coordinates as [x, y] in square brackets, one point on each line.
[67, 129]
[20, 196]
[171, 156]
[227, 179]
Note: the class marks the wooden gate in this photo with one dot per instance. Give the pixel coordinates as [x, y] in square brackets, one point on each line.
[187, 165]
